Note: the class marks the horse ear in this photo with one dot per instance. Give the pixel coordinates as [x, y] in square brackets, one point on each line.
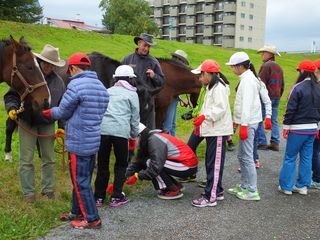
[15, 44]
[22, 41]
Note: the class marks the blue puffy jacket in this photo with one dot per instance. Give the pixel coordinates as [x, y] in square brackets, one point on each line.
[83, 106]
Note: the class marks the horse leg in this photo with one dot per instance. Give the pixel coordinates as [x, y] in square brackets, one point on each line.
[10, 127]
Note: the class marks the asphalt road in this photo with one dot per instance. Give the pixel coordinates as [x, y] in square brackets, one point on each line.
[275, 216]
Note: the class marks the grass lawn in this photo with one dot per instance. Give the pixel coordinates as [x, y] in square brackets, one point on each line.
[19, 220]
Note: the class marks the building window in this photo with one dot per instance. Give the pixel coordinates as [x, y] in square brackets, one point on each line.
[250, 28]
[241, 39]
[166, 20]
[218, 28]
[218, 40]
[182, 30]
[220, 6]
[182, 19]
[219, 17]
[199, 7]
[242, 27]
[166, 9]
[199, 39]
[182, 8]
[243, 15]
[165, 31]
[251, 5]
[251, 17]
[243, 4]
[249, 39]
[199, 29]
[199, 17]
[181, 39]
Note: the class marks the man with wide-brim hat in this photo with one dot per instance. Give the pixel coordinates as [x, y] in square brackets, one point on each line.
[148, 71]
[180, 56]
[48, 59]
[272, 75]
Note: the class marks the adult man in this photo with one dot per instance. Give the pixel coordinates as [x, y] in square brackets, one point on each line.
[147, 69]
[169, 123]
[272, 75]
[48, 59]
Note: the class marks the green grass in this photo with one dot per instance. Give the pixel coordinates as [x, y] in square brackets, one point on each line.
[19, 220]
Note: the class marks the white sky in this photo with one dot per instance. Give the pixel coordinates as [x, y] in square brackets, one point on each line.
[291, 25]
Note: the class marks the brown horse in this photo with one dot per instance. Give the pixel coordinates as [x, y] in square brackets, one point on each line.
[19, 69]
[179, 80]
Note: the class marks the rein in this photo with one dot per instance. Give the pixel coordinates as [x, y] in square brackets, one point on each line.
[183, 103]
[59, 140]
[15, 71]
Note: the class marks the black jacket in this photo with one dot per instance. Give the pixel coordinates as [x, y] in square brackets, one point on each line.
[56, 87]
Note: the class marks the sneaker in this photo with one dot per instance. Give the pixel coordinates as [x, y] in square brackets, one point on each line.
[274, 147]
[239, 169]
[315, 185]
[170, 195]
[99, 202]
[116, 202]
[235, 189]
[70, 217]
[49, 195]
[8, 157]
[231, 147]
[30, 198]
[302, 190]
[180, 186]
[220, 196]
[188, 179]
[202, 184]
[203, 202]
[86, 225]
[284, 191]
[257, 163]
[249, 196]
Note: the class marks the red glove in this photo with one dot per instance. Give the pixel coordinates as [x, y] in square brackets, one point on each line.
[132, 144]
[243, 132]
[110, 188]
[132, 180]
[267, 123]
[198, 120]
[285, 133]
[47, 113]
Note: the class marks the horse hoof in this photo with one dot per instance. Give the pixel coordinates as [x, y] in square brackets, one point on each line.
[8, 157]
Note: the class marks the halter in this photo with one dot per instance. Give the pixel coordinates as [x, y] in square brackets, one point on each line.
[29, 88]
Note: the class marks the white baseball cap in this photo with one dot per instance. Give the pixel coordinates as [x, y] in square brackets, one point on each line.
[237, 58]
[124, 71]
[141, 127]
[197, 70]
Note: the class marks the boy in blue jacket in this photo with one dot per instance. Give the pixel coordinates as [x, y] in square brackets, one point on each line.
[82, 106]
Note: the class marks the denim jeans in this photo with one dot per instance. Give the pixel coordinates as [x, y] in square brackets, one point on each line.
[245, 157]
[169, 123]
[275, 135]
[302, 144]
[316, 161]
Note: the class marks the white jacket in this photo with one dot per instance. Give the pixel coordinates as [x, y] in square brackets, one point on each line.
[247, 106]
[264, 95]
[216, 109]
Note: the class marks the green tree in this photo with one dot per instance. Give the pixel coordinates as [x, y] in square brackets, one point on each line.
[130, 17]
[27, 11]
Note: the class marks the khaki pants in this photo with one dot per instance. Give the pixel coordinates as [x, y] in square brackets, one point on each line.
[27, 144]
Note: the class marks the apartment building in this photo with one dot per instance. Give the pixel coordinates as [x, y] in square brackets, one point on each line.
[226, 23]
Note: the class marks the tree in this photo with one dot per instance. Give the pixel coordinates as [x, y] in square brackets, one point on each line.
[27, 11]
[130, 17]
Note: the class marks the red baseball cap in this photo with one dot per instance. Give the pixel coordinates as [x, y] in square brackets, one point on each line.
[307, 65]
[317, 63]
[210, 66]
[79, 58]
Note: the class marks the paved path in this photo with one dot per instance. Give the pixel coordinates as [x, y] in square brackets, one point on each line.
[276, 216]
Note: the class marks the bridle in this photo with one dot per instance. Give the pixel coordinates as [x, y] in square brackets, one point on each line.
[28, 88]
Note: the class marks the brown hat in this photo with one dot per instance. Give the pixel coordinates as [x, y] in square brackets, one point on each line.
[145, 37]
[50, 55]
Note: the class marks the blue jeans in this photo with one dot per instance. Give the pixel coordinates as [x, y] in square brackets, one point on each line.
[169, 123]
[275, 135]
[255, 145]
[316, 161]
[302, 144]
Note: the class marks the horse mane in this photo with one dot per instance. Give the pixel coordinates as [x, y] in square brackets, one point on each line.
[171, 61]
[100, 55]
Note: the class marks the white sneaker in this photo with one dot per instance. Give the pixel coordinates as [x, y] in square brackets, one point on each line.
[302, 190]
[284, 191]
[8, 157]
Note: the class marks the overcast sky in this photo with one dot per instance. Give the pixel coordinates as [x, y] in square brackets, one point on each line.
[291, 25]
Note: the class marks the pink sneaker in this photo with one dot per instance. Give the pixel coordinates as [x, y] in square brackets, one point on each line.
[116, 202]
[203, 202]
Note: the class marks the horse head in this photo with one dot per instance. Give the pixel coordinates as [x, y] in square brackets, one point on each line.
[20, 70]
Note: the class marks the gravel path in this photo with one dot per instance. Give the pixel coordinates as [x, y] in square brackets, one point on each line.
[276, 216]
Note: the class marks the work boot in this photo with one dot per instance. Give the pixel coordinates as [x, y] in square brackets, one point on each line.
[262, 147]
[274, 147]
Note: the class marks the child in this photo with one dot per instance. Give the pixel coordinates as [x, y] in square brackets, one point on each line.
[120, 121]
[247, 113]
[299, 128]
[82, 106]
[214, 124]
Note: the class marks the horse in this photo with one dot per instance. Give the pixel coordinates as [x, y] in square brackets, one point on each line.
[19, 70]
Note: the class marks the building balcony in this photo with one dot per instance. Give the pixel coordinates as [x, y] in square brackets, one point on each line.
[229, 31]
[209, 9]
[208, 20]
[157, 13]
[228, 43]
[174, 2]
[230, 7]
[208, 31]
[231, 19]
[191, 10]
[191, 1]
[174, 12]
[191, 21]
[190, 32]
[207, 41]
[157, 3]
